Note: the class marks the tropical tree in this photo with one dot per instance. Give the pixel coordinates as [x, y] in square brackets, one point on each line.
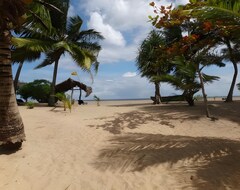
[66, 36]
[19, 57]
[222, 18]
[12, 13]
[191, 52]
[147, 60]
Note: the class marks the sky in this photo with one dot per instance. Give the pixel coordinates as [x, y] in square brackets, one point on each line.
[124, 25]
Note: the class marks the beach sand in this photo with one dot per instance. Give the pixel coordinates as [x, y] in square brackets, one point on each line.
[126, 145]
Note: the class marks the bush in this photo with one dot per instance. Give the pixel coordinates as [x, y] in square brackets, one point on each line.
[65, 99]
[30, 105]
[97, 99]
[37, 90]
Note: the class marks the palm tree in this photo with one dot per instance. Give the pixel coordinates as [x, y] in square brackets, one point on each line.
[232, 54]
[65, 36]
[11, 129]
[19, 57]
[151, 62]
[184, 78]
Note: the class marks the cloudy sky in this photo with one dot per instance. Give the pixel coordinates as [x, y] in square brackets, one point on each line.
[124, 24]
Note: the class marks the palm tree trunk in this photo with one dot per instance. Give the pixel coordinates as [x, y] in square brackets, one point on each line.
[17, 75]
[11, 125]
[204, 93]
[52, 93]
[230, 93]
[157, 93]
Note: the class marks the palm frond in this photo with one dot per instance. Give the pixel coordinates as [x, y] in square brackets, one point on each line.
[81, 57]
[36, 45]
[73, 27]
[89, 35]
[91, 46]
[63, 45]
[21, 54]
[51, 57]
[209, 78]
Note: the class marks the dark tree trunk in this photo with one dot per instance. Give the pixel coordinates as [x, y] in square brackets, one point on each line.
[52, 93]
[204, 93]
[230, 93]
[157, 93]
[188, 96]
[17, 75]
[11, 125]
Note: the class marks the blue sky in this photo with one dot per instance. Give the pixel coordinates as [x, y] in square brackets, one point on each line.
[124, 24]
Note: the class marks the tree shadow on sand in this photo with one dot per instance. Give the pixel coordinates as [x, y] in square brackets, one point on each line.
[161, 115]
[183, 112]
[220, 110]
[129, 120]
[195, 163]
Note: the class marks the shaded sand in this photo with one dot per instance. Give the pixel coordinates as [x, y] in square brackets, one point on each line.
[126, 145]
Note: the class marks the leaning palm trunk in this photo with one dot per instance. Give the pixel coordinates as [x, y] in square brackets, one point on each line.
[11, 125]
[157, 93]
[17, 75]
[204, 93]
[230, 93]
[52, 93]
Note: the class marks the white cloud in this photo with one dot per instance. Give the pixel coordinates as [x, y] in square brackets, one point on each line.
[129, 74]
[113, 54]
[112, 36]
[121, 14]
[123, 23]
[124, 14]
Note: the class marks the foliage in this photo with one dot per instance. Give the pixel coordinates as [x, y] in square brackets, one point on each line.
[30, 105]
[37, 90]
[66, 99]
[194, 50]
[152, 60]
[97, 99]
[65, 36]
[148, 61]
[212, 23]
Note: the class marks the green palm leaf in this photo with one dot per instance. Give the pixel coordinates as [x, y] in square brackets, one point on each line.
[32, 44]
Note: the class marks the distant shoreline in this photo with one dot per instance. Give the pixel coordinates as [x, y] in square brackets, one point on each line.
[132, 99]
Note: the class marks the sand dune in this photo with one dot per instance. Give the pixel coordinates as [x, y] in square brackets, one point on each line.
[126, 145]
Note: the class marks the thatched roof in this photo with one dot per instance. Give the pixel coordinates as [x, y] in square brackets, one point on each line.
[70, 84]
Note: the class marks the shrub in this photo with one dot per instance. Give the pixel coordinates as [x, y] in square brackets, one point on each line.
[30, 105]
[97, 99]
[66, 100]
[37, 90]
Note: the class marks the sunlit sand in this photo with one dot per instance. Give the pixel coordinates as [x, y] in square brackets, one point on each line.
[126, 145]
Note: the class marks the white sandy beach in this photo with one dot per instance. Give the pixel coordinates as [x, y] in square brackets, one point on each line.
[126, 145]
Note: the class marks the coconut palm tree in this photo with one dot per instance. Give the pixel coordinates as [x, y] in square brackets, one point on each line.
[19, 57]
[12, 14]
[152, 62]
[66, 36]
